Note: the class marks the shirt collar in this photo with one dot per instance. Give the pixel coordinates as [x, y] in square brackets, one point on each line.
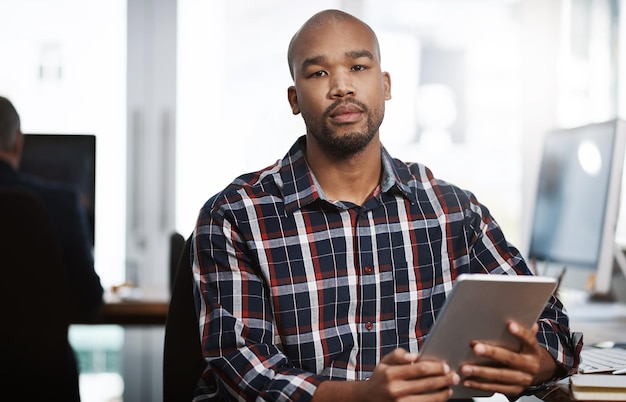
[300, 187]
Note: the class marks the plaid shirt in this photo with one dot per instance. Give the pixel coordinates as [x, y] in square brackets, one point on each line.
[293, 289]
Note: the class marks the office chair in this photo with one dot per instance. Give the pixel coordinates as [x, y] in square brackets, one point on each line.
[177, 243]
[182, 356]
[37, 360]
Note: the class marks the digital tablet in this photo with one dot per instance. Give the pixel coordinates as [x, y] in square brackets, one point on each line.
[479, 308]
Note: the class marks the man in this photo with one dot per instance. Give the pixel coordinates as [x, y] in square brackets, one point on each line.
[68, 217]
[84, 291]
[333, 264]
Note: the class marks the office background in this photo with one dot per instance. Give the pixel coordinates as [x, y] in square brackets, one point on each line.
[185, 95]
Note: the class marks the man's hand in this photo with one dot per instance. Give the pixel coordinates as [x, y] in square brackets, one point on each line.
[531, 365]
[398, 377]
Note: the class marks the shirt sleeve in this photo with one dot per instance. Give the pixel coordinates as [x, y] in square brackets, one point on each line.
[238, 335]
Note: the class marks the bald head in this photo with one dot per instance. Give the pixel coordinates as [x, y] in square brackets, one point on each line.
[11, 138]
[318, 22]
[9, 124]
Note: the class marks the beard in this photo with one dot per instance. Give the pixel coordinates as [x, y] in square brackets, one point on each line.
[347, 144]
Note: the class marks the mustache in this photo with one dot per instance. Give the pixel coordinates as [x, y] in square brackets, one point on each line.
[343, 102]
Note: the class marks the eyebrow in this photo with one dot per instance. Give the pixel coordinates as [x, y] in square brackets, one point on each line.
[353, 54]
[357, 54]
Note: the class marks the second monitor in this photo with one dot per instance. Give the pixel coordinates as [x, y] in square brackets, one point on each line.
[577, 206]
[67, 158]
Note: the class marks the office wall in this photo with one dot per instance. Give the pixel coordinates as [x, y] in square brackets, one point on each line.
[473, 86]
[151, 142]
[64, 67]
[229, 97]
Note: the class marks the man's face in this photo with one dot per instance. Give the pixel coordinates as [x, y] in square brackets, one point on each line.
[339, 87]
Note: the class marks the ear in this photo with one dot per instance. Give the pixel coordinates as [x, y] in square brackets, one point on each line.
[19, 144]
[14, 156]
[292, 96]
[387, 85]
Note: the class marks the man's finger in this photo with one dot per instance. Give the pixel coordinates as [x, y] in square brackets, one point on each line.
[399, 356]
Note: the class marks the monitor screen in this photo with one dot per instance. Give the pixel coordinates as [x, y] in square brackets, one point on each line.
[68, 158]
[577, 204]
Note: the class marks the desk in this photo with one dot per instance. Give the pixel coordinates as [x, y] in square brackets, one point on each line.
[598, 322]
[133, 312]
[133, 307]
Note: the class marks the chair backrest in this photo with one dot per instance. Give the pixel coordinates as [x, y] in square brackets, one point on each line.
[182, 356]
[177, 243]
[37, 360]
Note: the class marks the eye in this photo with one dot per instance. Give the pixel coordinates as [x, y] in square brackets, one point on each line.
[320, 73]
[359, 67]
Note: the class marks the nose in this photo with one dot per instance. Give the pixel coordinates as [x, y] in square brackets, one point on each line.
[341, 86]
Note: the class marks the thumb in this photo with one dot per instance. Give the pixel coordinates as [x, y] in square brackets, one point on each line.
[399, 356]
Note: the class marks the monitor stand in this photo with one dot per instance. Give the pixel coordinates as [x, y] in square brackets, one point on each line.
[617, 280]
[620, 258]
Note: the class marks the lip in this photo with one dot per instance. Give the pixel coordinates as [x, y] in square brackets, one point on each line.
[346, 114]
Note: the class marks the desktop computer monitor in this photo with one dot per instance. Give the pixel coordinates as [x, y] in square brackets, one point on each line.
[577, 206]
[67, 158]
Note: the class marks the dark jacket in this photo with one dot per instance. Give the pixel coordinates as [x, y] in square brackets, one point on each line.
[70, 223]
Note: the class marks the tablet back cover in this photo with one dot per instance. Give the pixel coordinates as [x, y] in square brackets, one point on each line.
[479, 308]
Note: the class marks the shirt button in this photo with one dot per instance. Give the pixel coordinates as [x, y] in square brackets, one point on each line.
[369, 270]
[369, 326]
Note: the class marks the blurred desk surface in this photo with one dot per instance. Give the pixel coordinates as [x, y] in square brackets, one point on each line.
[136, 308]
[133, 312]
[599, 322]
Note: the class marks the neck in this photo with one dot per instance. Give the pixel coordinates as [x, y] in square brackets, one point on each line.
[353, 179]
